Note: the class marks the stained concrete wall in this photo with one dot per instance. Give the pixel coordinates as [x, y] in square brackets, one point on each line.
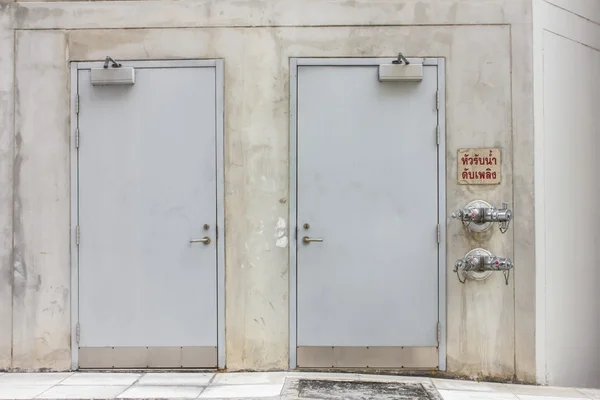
[6, 185]
[490, 326]
[567, 93]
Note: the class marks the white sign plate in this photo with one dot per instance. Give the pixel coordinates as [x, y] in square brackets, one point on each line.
[479, 167]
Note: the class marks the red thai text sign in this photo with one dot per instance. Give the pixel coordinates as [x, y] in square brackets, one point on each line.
[479, 167]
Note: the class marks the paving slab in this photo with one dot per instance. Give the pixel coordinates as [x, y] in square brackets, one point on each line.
[31, 379]
[249, 378]
[82, 392]
[470, 386]
[22, 392]
[101, 379]
[161, 392]
[546, 391]
[464, 395]
[242, 391]
[176, 379]
[295, 385]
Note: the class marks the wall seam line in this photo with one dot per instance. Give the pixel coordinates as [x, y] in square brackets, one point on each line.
[545, 292]
[14, 154]
[62, 28]
[512, 149]
[571, 39]
[572, 12]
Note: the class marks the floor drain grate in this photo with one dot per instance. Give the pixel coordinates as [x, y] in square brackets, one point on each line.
[362, 390]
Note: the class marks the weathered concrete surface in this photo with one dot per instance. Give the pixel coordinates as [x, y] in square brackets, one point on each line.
[488, 104]
[6, 185]
[523, 224]
[256, 13]
[478, 114]
[41, 312]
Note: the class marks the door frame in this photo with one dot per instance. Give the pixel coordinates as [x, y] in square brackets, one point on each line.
[295, 62]
[220, 191]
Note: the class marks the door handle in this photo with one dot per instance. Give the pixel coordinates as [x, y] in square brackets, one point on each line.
[205, 240]
[307, 240]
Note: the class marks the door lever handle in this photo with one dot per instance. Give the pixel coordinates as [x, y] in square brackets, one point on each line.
[205, 240]
[307, 240]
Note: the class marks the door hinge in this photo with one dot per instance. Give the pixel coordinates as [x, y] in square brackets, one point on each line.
[77, 138]
[438, 233]
[439, 332]
[437, 135]
[77, 332]
[216, 232]
[77, 235]
[437, 100]
[77, 104]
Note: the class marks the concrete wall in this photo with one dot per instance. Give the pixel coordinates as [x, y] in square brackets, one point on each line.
[490, 326]
[567, 144]
[6, 178]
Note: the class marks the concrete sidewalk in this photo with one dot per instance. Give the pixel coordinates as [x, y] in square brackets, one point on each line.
[270, 385]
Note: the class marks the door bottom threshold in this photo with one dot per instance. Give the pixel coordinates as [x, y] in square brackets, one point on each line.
[141, 357]
[371, 357]
[144, 370]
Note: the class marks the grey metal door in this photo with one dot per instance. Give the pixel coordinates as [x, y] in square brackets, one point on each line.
[367, 186]
[147, 186]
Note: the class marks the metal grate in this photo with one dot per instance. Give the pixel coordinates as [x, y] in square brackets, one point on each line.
[362, 390]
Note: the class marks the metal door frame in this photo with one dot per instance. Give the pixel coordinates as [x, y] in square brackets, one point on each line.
[220, 192]
[293, 212]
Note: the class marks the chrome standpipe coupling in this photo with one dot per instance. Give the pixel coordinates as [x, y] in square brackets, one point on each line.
[478, 264]
[482, 215]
